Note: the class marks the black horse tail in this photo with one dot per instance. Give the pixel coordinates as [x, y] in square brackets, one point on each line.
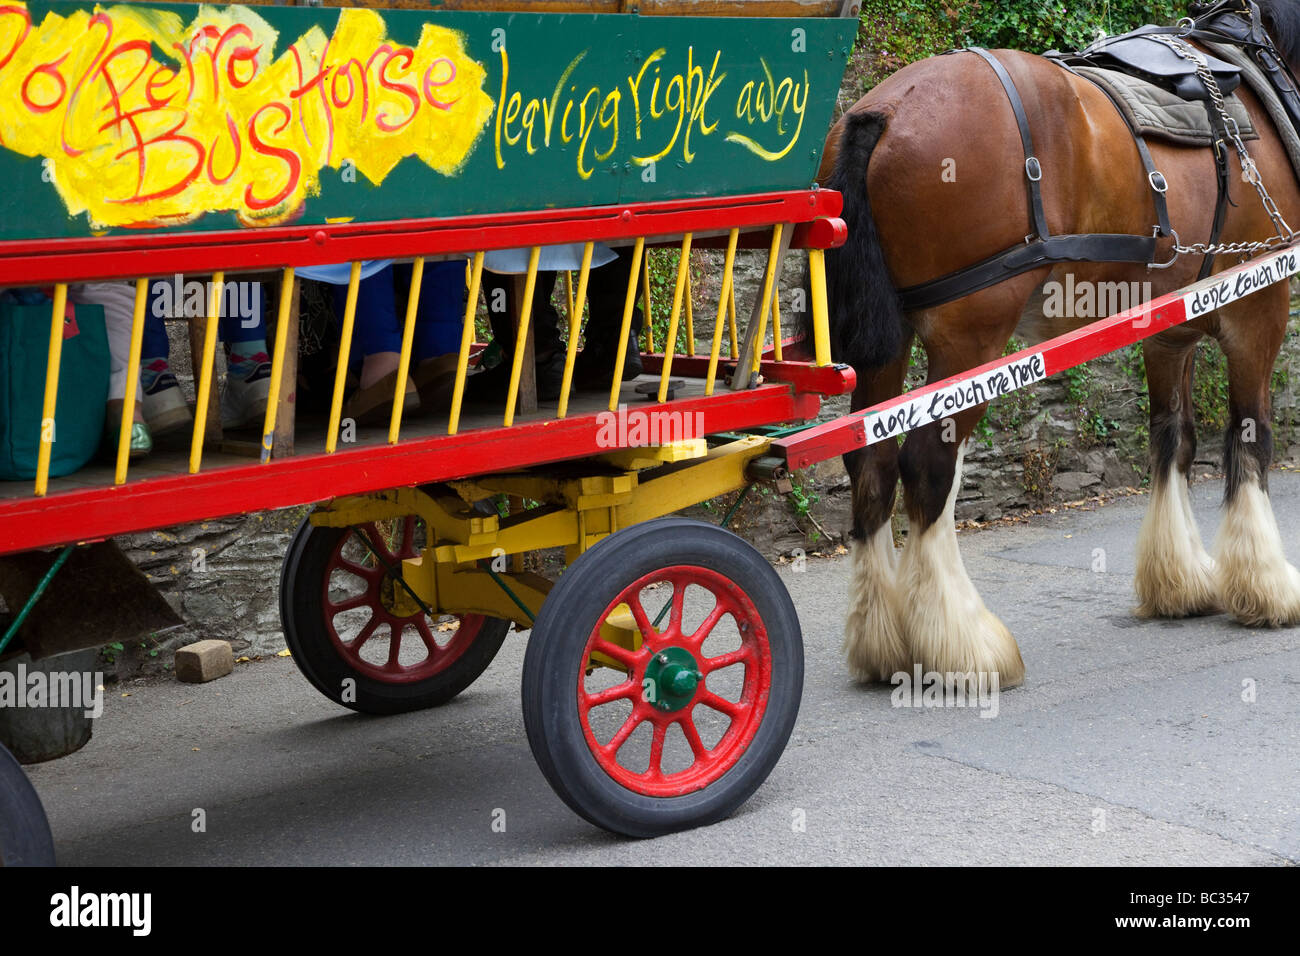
[867, 326]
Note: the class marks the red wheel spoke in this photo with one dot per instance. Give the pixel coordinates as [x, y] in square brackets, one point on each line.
[679, 604]
[366, 574]
[426, 635]
[351, 604]
[712, 664]
[365, 634]
[693, 737]
[620, 654]
[720, 704]
[407, 549]
[623, 691]
[708, 624]
[620, 738]
[657, 751]
[394, 645]
[638, 612]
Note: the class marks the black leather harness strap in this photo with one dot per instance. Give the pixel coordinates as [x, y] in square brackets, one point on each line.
[1040, 248]
[1221, 170]
[1099, 247]
[1033, 169]
[1156, 180]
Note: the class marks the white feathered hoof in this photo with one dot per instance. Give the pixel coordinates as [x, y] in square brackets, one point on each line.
[1256, 585]
[873, 636]
[976, 641]
[1175, 576]
[945, 623]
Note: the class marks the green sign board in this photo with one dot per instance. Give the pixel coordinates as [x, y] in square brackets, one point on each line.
[178, 116]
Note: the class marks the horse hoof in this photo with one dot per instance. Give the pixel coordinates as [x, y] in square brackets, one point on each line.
[1268, 597]
[1186, 591]
[979, 643]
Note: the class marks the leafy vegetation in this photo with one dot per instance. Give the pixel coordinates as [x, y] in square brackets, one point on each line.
[901, 31]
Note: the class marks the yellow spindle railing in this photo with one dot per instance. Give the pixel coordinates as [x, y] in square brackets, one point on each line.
[690, 317]
[679, 290]
[726, 305]
[776, 324]
[521, 334]
[821, 321]
[207, 372]
[132, 380]
[345, 352]
[575, 324]
[51, 388]
[645, 303]
[629, 305]
[466, 340]
[277, 363]
[404, 359]
[733, 342]
[769, 283]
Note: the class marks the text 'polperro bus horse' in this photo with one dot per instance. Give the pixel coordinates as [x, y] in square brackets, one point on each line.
[973, 180]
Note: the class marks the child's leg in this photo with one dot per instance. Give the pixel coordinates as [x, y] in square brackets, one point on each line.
[118, 302]
[376, 329]
[441, 309]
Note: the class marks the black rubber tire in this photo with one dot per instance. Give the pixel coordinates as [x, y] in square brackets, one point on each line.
[25, 838]
[305, 632]
[554, 658]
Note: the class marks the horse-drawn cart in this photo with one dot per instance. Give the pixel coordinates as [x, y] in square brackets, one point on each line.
[664, 667]
[246, 143]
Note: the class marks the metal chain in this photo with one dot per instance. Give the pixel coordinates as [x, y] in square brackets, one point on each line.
[1250, 172]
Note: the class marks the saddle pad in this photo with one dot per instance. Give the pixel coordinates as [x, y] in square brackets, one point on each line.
[1157, 113]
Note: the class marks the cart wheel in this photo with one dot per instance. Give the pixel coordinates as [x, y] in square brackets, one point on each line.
[25, 838]
[358, 635]
[680, 731]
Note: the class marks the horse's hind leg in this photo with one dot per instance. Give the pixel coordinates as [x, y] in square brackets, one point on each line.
[945, 623]
[1256, 584]
[1175, 575]
[873, 636]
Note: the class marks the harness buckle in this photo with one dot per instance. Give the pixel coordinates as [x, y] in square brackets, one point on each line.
[1033, 169]
[1157, 180]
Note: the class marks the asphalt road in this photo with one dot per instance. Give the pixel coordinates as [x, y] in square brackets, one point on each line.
[1130, 743]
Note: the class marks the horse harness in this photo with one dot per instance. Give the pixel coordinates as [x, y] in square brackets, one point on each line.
[1163, 56]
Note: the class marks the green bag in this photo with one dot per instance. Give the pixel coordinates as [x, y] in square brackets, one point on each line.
[83, 387]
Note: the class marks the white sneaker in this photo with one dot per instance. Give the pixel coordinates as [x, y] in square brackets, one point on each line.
[243, 401]
[163, 406]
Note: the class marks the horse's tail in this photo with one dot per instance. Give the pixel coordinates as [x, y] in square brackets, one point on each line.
[867, 326]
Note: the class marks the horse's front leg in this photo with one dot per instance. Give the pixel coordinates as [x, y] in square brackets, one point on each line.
[1175, 575]
[1256, 584]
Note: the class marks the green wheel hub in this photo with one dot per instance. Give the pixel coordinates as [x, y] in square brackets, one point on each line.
[671, 679]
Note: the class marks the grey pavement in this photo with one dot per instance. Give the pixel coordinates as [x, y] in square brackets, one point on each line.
[1130, 743]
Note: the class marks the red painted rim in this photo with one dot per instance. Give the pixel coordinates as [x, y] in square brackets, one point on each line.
[438, 657]
[746, 713]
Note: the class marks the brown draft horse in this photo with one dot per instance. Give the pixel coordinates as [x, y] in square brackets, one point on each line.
[909, 224]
